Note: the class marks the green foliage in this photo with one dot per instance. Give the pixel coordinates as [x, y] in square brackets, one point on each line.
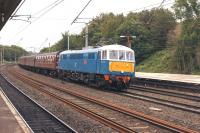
[163, 62]
[75, 41]
[103, 29]
[12, 52]
[187, 9]
[45, 50]
[159, 62]
[187, 52]
[151, 29]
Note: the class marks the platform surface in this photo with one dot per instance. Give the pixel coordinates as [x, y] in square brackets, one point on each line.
[170, 77]
[10, 121]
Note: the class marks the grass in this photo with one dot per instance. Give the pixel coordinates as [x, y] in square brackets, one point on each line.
[160, 62]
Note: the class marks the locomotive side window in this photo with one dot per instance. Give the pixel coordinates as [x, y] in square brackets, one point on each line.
[76, 56]
[113, 54]
[104, 54]
[91, 56]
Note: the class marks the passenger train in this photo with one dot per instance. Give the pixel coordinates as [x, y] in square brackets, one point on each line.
[106, 66]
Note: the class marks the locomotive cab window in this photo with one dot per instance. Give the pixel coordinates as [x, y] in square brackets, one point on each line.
[129, 56]
[113, 54]
[121, 55]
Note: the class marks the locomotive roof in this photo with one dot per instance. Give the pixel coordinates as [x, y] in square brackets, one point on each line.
[107, 47]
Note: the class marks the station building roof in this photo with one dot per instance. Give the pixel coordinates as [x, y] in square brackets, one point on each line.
[7, 7]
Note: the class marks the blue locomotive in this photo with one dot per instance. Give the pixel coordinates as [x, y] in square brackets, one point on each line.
[111, 65]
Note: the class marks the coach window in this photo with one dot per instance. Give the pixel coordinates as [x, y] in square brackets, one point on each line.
[51, 58]
[113, 54]
[104, 54]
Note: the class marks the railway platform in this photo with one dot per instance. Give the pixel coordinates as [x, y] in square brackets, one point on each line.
[10, 120]
[194, 79]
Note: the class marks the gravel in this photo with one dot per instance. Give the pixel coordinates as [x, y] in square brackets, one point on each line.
[70, 116]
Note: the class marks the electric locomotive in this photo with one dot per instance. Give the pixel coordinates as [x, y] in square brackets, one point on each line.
[110, 65]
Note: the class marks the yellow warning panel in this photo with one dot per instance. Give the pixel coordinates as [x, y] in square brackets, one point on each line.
[118, 66]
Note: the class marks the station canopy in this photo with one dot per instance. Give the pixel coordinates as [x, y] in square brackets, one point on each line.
[7, 7]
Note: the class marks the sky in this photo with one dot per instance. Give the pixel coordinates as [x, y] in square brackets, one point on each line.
[47, 28]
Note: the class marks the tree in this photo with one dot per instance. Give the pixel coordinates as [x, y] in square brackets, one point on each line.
[187, 9]
[151, 29]
[75, 41]
[188, 12]
[12, 52]
[103, 28]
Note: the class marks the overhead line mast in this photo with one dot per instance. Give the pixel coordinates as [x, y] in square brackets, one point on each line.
[86, 29]
[81, 12]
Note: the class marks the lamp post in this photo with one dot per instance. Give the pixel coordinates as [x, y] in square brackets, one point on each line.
[128, 39]
[86, 35]
[86, 32]
[1, 57]
[49, 48]
[86, 28]
[68, 40]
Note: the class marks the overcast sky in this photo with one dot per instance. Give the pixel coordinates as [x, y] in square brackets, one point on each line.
[49, 27]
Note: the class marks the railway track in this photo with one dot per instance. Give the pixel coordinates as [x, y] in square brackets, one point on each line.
[165, 92]
[167, 84]
[129, 112]
[177, 105]
[37, 118]
[80, 109]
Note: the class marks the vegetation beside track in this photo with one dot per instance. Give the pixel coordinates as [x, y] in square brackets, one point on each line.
[160, 62]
